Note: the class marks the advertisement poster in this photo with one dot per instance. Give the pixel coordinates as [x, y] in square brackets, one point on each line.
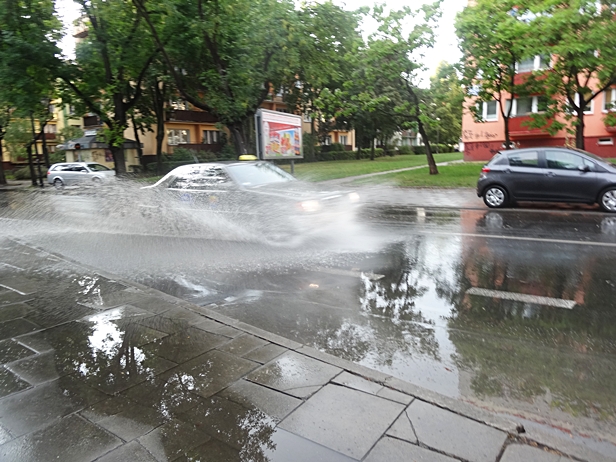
[280, 135]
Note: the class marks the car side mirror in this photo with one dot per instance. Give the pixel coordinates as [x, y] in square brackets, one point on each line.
[584, 168]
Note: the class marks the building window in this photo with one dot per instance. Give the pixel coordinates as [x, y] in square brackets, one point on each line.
[606, 142]
[527, 105]
[535, 63]
[588, 109]
[175, 137]
[179, 105]
[286, 111]
[489, 111]
[609, 100]
[344, 139]
[307, 118]
[50, 129]
[211, 136]
[328, 140]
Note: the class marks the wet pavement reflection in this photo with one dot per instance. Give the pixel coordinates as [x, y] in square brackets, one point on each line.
[472, 304]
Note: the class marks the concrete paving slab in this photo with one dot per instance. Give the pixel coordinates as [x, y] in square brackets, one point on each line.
[453, 434]
[131, 423]
[231, 423]
[5, 436]
[11, 350]
[8, 297]
[156, 305]
[393, 450]
[58, 442]
[524, 453]
[185, 345]
[394, 395]
[273, 403]
[132, 452]
[50, 313]
[243, 344]
[265, 354]
[14, 311]
[105, 408]
[216, 327]
[357, 383]
[21, 284]
[214, 371]
[289, 447]
[33, 409]
[10, 383]
[294, 374]
[38, 369]
[164, 324]
[16, 327]
[345, 420]
[172, 439]
[403, 429]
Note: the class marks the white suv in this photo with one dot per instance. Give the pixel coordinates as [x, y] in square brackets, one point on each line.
[68, 173]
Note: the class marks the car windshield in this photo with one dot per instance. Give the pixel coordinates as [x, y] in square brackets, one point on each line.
[258, 174]
[98, 168]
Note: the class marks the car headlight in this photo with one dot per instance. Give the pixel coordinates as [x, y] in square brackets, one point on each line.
[354, 197]
[310, 206]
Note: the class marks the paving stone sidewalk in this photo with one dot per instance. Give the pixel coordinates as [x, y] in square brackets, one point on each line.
[98, 368]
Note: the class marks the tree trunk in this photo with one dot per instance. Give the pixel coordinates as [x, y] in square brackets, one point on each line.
[45, 150]
[312, 143]
[139, 148]
[579, 128]
[118, 159]
[424, 137]
[31, 164]
[507, 138]
[2, 176]
[239, 140]
[160, 136]
[358, 143]
[372, 146]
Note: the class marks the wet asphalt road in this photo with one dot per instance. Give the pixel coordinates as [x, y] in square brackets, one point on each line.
[513, 310]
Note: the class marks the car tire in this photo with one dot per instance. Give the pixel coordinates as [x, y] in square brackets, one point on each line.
[58, 183]
[96, 181]
[495, 197]
[607, 200]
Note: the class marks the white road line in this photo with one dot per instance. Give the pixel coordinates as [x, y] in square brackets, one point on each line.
[14, 290]
[556, 302]
[521, 238]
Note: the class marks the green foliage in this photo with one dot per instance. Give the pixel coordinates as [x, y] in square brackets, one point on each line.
[70, 133]
[18, 136]
[22, 173]
[402, 150]
[57, 157]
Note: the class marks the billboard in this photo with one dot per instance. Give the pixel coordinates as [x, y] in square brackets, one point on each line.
[279, 135]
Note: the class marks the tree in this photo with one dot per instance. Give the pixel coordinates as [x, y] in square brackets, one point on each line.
[579, 35]
[111, 64]
[29, 58]
[399, 54]
[447, 95]
[329, 37]
[493, 39]
[226, 56]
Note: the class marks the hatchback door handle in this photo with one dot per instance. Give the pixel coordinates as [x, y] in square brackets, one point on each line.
[550, 174]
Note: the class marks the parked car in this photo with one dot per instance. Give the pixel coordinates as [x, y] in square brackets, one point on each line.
[256, 195]
[69, 173]
[550, 174]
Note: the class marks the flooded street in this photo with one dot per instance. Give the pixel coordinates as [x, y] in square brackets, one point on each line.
[512, 310]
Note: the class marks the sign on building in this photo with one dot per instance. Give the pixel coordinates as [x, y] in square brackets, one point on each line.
[279, 135]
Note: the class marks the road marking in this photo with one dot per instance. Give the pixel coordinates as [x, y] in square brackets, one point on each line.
[556, 302]
[521, 238]
[350, 273]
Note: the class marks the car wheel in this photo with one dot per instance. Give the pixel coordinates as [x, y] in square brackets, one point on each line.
[608, 200]
[495, 197]
[96, 181]
[58, 183]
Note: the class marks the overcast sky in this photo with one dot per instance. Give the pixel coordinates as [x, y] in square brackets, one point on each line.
[446, 48]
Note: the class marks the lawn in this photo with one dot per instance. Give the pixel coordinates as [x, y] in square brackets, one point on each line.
[462, 175]
[319, 171]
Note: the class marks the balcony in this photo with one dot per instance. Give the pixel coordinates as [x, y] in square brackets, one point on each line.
[50, 136]
[91, 121]
[518, 129]
[176, 115]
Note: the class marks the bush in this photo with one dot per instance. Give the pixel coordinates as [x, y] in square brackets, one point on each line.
[22, 173]
[441, 148]
[405, 150]
[332, 147]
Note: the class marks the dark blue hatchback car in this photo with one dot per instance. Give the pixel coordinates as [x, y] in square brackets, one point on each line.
[550, 174]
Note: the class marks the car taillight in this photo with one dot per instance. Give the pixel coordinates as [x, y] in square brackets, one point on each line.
[485, 170]
[48, 172]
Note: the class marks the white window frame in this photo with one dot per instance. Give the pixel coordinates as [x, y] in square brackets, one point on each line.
[613, 93]
[534, 106]
[328, 140]
[179, 136]
[577, 102]
[536, 64]
[344, 139]
[484, 112]
[605, 141]
[307, 118]
[179, 104]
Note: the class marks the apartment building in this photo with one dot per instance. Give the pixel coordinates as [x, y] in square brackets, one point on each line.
[482, 139]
